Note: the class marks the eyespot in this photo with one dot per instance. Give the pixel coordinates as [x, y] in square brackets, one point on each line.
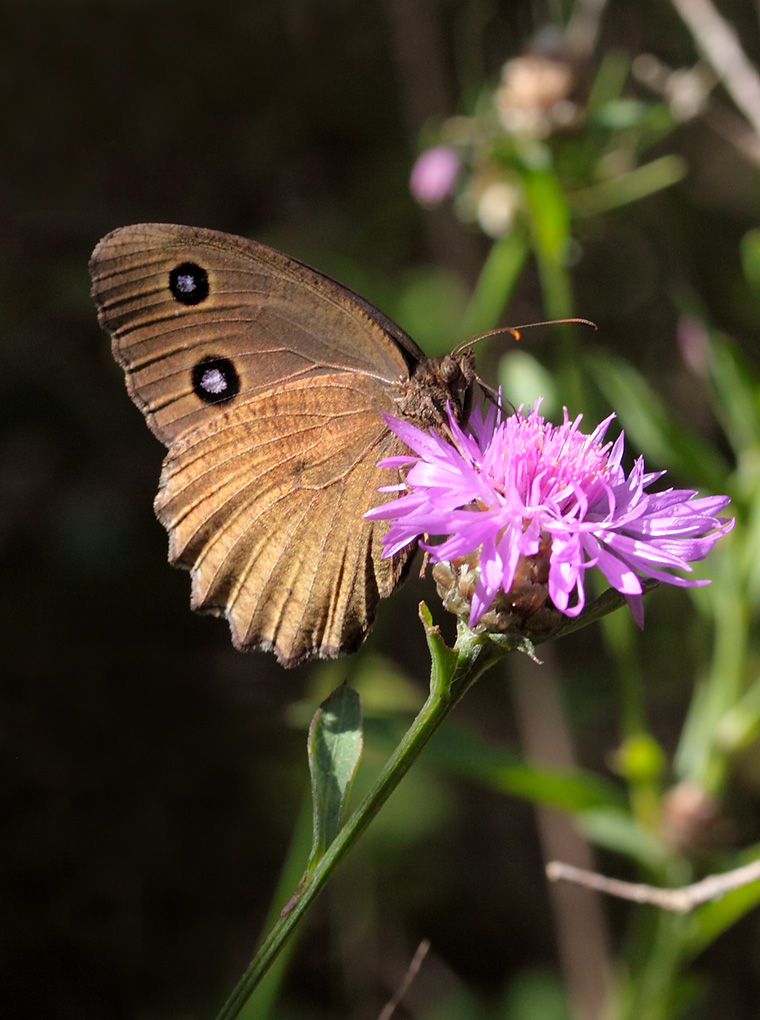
[215, 380]
[188, 283]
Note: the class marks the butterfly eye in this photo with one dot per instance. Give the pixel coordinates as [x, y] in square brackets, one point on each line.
[188, 283]
[215, 380]
[450, 370]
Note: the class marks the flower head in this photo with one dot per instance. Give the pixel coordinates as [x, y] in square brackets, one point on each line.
[519, 490]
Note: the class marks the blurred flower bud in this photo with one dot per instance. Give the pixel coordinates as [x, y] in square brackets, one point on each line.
[687, 93]
[694, 345]
[496, 208]
[691, 820]
[686, 90]
[434, 174]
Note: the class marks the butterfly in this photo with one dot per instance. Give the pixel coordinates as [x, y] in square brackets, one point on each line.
[267, 382]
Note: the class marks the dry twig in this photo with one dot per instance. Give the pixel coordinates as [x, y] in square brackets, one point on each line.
[411, 972]
[680, 901]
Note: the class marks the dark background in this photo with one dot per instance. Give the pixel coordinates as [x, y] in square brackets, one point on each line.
[150, 775]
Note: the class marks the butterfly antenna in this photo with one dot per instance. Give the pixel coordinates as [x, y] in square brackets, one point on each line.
[488, 391]
[516, 331]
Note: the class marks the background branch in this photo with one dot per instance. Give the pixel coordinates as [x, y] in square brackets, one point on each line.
[680, 901]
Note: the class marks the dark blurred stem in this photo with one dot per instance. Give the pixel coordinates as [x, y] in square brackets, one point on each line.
[425, 94]
[452, 675]
[583, 28]
[582, 937]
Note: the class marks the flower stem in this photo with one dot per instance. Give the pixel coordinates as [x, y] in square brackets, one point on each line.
[453, 672]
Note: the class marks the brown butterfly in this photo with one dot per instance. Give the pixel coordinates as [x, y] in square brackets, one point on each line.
[266, 381]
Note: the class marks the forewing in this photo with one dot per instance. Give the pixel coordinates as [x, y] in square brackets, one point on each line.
[276, 318]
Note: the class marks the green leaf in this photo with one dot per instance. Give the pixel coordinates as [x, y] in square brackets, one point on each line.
[571, 791]
[738, 388]
[502, 769]
[617, 830]
[442, 658]
[750, 255]
[629, 187]
[334, 748]
[523, 379]
[495, 284]
[550, 231]
[740, 725]
[262, 1004]
[619, 114]
[534, 995]
[611, 79]
[431, 305]
[711, 920]
[549, 215]
[650, 427]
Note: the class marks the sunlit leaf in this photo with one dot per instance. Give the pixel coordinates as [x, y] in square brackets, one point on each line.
[549, 213]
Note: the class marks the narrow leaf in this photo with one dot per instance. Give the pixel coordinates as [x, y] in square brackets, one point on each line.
[618, 831]
[549, 215]
[500, 768]
[716, 917]
[334, 748]
[750, 255]
[738, 394]
[650, 427]
[630, 187]
[496, 283]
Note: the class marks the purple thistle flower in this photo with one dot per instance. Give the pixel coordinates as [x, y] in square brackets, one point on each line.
[515, 488]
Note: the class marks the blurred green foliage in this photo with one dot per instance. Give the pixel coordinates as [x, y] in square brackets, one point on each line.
[153, 780]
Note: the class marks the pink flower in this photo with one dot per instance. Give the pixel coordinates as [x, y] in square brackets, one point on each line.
[434, 174]
[513, 488]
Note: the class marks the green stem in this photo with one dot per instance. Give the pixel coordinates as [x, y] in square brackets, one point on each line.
[452, 675]
[652, 986]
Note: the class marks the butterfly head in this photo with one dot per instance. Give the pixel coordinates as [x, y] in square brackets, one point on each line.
[435, 384]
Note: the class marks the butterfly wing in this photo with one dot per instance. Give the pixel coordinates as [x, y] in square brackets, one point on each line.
[266, 380]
